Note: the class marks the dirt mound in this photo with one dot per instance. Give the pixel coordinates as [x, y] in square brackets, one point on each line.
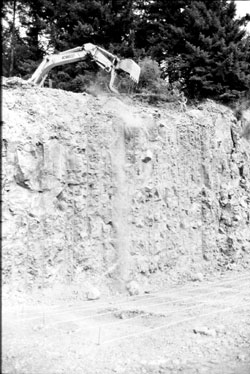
[102, 191]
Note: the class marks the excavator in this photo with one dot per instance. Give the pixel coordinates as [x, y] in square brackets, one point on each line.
[106, 60]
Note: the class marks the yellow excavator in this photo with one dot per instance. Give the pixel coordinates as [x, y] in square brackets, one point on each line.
[106, 60]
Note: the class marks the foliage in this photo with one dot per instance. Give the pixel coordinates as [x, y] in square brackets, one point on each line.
[21, 31]
[154, 27]
[197, 43]
[150, 73]
[201, 44]
[214, 52]
[152, 87]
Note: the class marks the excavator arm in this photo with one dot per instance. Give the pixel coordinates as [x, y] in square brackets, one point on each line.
[103, 58]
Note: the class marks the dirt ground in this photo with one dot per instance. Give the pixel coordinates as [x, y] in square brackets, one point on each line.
[195, 327]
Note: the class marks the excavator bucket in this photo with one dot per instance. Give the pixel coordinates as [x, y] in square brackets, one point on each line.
[130, 67]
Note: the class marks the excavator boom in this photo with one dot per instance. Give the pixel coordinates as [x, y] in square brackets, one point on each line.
[103, 58]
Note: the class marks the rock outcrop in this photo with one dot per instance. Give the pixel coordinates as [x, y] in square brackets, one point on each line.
[100, 190]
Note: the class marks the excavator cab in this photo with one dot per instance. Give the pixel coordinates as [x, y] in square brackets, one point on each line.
[103, 58]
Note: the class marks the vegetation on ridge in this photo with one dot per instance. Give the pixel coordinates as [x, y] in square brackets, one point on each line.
[198, 46]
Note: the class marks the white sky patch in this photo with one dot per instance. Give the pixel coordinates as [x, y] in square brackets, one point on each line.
[242, 8]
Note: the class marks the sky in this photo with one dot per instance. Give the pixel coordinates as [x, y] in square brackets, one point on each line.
[243, 7]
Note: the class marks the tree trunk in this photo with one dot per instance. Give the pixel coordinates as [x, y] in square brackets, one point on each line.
[12, 50]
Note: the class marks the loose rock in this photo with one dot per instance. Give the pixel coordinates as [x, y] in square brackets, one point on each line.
[133, 288]
[93, 293]
[205, 331]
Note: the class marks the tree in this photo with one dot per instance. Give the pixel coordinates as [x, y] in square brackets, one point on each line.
[13, 34]
[13, 45]
[10, 36]
[154, 26]
[201, 43]
[21, 36]
[215, 51]
[65, 25]
[70, 24]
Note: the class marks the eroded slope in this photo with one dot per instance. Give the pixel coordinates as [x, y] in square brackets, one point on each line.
[101, 190]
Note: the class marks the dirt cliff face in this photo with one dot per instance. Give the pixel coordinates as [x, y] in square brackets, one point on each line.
[102, 191]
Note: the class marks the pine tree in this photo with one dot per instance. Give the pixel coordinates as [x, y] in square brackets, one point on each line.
[201, 43]
[154, 26]
[214, 52]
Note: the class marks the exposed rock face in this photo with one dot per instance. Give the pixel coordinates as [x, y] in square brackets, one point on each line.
[98, 190]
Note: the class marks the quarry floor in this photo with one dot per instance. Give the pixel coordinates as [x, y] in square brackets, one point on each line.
[196, 327]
